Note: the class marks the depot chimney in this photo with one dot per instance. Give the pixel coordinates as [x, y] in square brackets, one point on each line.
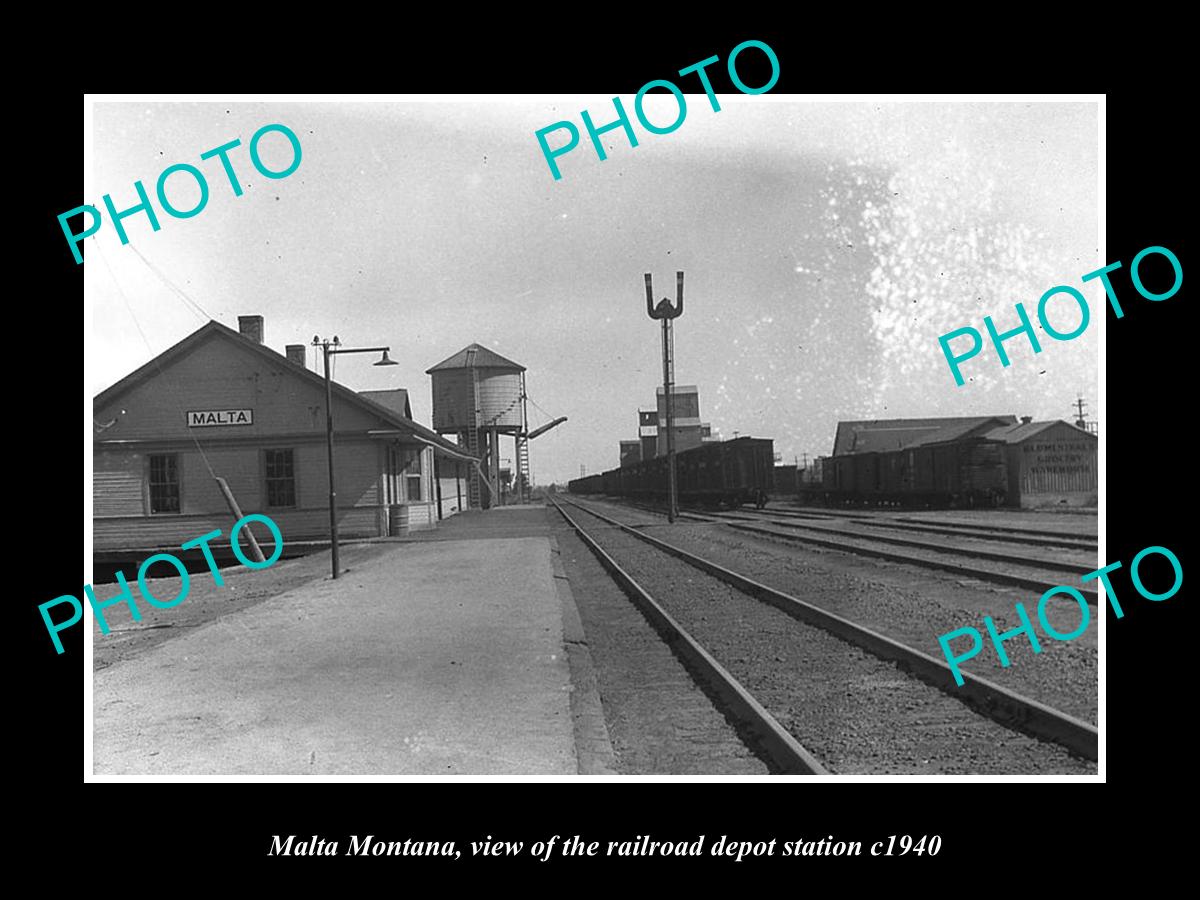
[251, 327]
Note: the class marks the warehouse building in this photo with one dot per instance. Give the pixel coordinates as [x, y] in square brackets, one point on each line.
[1034, 463]
[222, 405]
[1050, 463]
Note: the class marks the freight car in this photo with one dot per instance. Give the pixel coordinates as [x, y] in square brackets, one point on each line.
[959, 473]
[731, 472]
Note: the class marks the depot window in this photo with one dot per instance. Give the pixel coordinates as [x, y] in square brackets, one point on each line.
[413, 476]
[280, 470]
[164, 483]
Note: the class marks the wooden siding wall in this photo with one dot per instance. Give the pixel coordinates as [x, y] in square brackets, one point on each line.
[421, 516]
[1059, 460]
[121, 510]
[118, 483]
[172, 531]
[451, 494]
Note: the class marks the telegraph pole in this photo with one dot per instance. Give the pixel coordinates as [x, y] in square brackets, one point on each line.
[667, 313]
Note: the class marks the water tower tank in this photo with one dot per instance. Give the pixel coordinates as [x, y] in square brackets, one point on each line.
[455, 381]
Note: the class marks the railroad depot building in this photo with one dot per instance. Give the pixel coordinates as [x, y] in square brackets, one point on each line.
[220, 404]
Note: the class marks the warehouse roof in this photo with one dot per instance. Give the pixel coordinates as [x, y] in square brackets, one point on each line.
[214, 330]
[1015, 434]
[961, 430]
[476, 356]
[873, 435]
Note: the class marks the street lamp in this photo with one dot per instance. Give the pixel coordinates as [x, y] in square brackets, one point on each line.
[329, 348]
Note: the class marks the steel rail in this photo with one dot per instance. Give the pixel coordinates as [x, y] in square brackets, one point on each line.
[995, 555]
[986, 697]
[780, 746]
[993, 533]
[1036, 584]
[814, 512]
[1021, 581]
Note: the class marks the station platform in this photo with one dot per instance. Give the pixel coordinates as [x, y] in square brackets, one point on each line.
[444, 654]
[498, 522]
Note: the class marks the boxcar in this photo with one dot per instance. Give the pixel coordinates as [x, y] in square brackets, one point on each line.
[732, 472]
[957, 473]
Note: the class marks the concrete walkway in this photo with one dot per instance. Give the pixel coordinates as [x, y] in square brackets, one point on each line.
[439, 658]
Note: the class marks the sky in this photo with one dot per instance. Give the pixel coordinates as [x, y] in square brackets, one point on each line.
[826, 247]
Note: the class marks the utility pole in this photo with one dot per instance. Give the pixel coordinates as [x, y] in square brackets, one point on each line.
[666, 312]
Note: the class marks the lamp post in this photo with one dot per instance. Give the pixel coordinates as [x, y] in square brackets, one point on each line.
[667, 312]
[329, 348]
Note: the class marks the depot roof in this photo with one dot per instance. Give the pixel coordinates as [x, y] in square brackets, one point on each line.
[215, 330]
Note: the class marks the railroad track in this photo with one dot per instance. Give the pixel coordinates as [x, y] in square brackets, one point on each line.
[1008, 534]
[1019, 570]
[898, 687]
[976, 552]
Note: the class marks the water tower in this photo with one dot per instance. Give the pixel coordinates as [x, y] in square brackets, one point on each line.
[479, 395]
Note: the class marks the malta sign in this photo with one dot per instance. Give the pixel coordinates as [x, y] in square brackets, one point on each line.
[201, 418]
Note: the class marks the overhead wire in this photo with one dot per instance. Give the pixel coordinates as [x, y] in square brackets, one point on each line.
[154, 357]
[192, 304]
[535, 404]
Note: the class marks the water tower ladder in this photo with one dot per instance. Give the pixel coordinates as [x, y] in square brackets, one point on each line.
[473, 477]
[523, 467]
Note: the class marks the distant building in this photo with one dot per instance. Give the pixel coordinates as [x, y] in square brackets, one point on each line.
[686, 424]
[785, 478]
[1050, 463]
[631, 452]
[649, 446]
[810, 474]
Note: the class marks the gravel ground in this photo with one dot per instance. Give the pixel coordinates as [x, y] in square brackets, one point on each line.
[1054, 557]
[855, 712]
[1074, 523]
[205, 601]
[908, 604]
[793, 535]
[659, 721]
